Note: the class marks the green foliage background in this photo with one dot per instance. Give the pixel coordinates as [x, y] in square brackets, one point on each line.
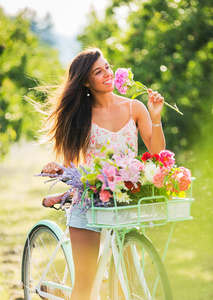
[25, 62]
[169, 46]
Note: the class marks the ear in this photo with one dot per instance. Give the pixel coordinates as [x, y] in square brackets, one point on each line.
[86, 84]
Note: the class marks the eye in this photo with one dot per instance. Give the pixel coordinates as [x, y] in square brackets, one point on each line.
[97, 72]
[108, 67]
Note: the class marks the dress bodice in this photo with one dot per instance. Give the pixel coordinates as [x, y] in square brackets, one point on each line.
[119, 141]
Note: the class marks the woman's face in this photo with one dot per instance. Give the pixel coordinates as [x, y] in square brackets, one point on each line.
[100, 79]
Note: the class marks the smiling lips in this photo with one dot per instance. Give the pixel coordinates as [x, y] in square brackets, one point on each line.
[109, 81]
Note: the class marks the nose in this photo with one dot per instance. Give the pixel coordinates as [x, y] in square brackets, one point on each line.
[107, 72]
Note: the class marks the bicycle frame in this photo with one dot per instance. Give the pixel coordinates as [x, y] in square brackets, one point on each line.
[111, 242]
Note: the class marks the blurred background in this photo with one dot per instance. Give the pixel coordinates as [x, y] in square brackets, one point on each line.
[169, 46]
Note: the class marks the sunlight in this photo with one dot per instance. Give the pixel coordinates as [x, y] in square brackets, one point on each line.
[68, 16]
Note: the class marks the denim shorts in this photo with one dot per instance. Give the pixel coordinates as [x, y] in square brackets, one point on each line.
[78, 219]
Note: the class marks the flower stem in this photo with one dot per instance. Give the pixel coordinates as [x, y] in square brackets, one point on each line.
[145, 90]
[173, 107]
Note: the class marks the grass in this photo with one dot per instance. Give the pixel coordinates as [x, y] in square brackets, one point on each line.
[189, 258]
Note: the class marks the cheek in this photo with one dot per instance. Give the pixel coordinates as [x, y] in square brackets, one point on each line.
[112, 73]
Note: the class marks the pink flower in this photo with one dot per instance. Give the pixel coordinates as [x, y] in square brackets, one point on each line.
[158, 179]
[110, 177]
[121, 77]
[166, 157]
[139, 165]
[183, 177]
[131, 173]
[105, 195]
[124, 160]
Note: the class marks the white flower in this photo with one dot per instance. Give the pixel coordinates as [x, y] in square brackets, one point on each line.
[150, 171]
[143, 180]
[121, 185]
[121, 197]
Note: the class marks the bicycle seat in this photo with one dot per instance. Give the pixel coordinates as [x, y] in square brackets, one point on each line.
[51, 200]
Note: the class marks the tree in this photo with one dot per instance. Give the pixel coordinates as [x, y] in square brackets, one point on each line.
[24, 63]
[169, 46]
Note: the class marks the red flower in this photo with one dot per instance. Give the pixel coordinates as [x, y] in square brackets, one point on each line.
[156, 157]
[132, 187]
[146, 156]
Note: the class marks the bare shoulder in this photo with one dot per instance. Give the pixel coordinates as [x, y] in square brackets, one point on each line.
[126, 101]
[122, 100]
[138, 107]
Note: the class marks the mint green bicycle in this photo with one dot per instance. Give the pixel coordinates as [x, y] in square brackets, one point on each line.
[129, 266]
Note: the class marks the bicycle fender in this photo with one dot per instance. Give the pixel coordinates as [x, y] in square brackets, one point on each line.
[58, 232]
[52, 225]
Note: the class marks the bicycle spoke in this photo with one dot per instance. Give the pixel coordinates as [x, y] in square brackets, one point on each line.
[41, 247]
[142, 266]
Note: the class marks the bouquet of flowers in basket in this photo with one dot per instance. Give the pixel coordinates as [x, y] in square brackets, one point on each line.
[125, 178]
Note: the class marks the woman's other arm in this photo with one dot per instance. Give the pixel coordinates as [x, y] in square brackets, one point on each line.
[149, 123]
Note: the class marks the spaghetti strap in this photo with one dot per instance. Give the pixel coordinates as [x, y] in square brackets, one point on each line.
[130, 108]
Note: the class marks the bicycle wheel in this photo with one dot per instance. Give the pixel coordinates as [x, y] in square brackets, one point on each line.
[145, 273]
[38, 250]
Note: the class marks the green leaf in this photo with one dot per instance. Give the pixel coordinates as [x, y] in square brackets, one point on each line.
[136, 95]
[99, 184]
[97, 167]
[130, 74]
[141, 85]
[103, 149]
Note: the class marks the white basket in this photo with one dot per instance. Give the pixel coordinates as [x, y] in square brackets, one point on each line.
[177, 210]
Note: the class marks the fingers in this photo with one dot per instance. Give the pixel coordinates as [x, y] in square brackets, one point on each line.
[155, 96]
[52, 168]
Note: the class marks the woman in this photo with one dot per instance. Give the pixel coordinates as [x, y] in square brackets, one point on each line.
[85, 116]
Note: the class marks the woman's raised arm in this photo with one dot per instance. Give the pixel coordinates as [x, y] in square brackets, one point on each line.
[149, 123]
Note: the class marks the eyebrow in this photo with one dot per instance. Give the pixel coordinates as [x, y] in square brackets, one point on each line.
[99, 67]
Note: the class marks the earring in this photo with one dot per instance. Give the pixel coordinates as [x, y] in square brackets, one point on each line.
[88, 94]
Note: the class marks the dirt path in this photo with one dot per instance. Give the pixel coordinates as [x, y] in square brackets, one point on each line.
[20, 202]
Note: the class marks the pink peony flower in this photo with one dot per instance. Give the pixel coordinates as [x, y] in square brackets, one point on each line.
[121, 77]
[158, 179]
[105, 195]
[166, 157]
[183, 176]
[139, 165]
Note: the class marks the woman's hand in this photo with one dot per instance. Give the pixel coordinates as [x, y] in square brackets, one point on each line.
[52, 169]
[155, 104]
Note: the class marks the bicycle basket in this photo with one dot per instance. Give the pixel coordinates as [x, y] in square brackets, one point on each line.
[141, 214]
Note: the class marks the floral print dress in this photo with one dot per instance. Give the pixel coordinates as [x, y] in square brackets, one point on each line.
[119, 140]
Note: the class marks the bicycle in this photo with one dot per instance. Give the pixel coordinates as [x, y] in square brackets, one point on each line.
[135, 270]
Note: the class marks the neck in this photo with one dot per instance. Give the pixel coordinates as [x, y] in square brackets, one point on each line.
[101, 100]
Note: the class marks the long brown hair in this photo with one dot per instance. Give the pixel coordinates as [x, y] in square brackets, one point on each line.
[69, 123]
